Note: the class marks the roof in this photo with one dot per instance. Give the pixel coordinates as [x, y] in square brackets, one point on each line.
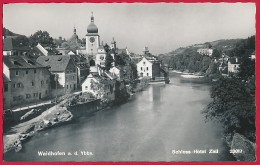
[110, 76]
[10, 44]
[22, 62]
[121, 51]
[6, 79]
[233, 60]
[36, 52]
[80, 61]
[152, 59]
[57, 63]
[101, 79]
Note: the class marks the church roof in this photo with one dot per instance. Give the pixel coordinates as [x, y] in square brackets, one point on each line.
[92, 28]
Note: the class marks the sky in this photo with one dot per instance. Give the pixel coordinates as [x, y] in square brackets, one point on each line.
[162, 27]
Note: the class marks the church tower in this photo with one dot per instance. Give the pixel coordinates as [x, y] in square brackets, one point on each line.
[92, 38]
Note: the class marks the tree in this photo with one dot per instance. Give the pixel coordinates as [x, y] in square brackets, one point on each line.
[109, 59]
[21, 41]
[71, 46]
[247, 67]
[216, 53]
[233, 105]
[42, 37]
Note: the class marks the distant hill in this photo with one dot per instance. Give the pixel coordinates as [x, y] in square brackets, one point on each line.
[8, 33]
[224, 45]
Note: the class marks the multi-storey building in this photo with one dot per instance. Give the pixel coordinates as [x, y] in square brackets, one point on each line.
[149, 66]
[29, 80]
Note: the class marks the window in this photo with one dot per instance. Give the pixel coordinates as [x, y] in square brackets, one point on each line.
[144, 63]
[19, 85]
[46, 92]
[34, 70]
[42, 82]
[35, 95]
[70, 86]
[5, 87]
[14, 85]
[28, 96]
[147, 68]
[141, 68]
[26, 72]
[67, 86]
[32, 83]
[86, 87]
[17, 73]
[73, 77]
[147, 74]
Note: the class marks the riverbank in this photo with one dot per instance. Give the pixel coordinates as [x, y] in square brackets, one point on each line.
[20, 133]
[189, 75]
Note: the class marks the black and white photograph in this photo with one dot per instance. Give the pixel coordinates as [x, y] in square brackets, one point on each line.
[128, 82]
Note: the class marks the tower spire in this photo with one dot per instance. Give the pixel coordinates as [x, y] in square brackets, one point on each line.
[74, 30]
[92, 17]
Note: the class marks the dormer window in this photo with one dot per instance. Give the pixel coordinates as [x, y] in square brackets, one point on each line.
[30, 62]
[17, 63]
[59, 59]
[46, 60]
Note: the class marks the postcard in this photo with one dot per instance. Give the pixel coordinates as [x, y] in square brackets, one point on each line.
[135, 83]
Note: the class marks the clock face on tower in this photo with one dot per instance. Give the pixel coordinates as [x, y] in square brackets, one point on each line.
[92, 39]
[102, 57]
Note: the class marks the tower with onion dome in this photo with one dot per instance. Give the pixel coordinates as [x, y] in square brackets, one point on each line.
[92, 38]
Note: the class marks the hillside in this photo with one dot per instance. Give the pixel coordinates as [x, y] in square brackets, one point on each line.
[7, 32]
[221, 45]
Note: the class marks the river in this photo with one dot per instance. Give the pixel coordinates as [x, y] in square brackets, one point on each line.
[159, 120]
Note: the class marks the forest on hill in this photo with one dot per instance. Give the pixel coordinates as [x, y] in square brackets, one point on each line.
[189, 60]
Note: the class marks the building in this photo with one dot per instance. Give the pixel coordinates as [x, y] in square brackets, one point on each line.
[101, 56]
[117, 71]
[252, 56]
[11, 47]
[39, 50]
[206, 51]
[74, 38]
[149, 66]
[30, 81]
[64, 70]
[92, 38]
[101, 87]
[234, 64]
[82, 67]
[7, 92]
